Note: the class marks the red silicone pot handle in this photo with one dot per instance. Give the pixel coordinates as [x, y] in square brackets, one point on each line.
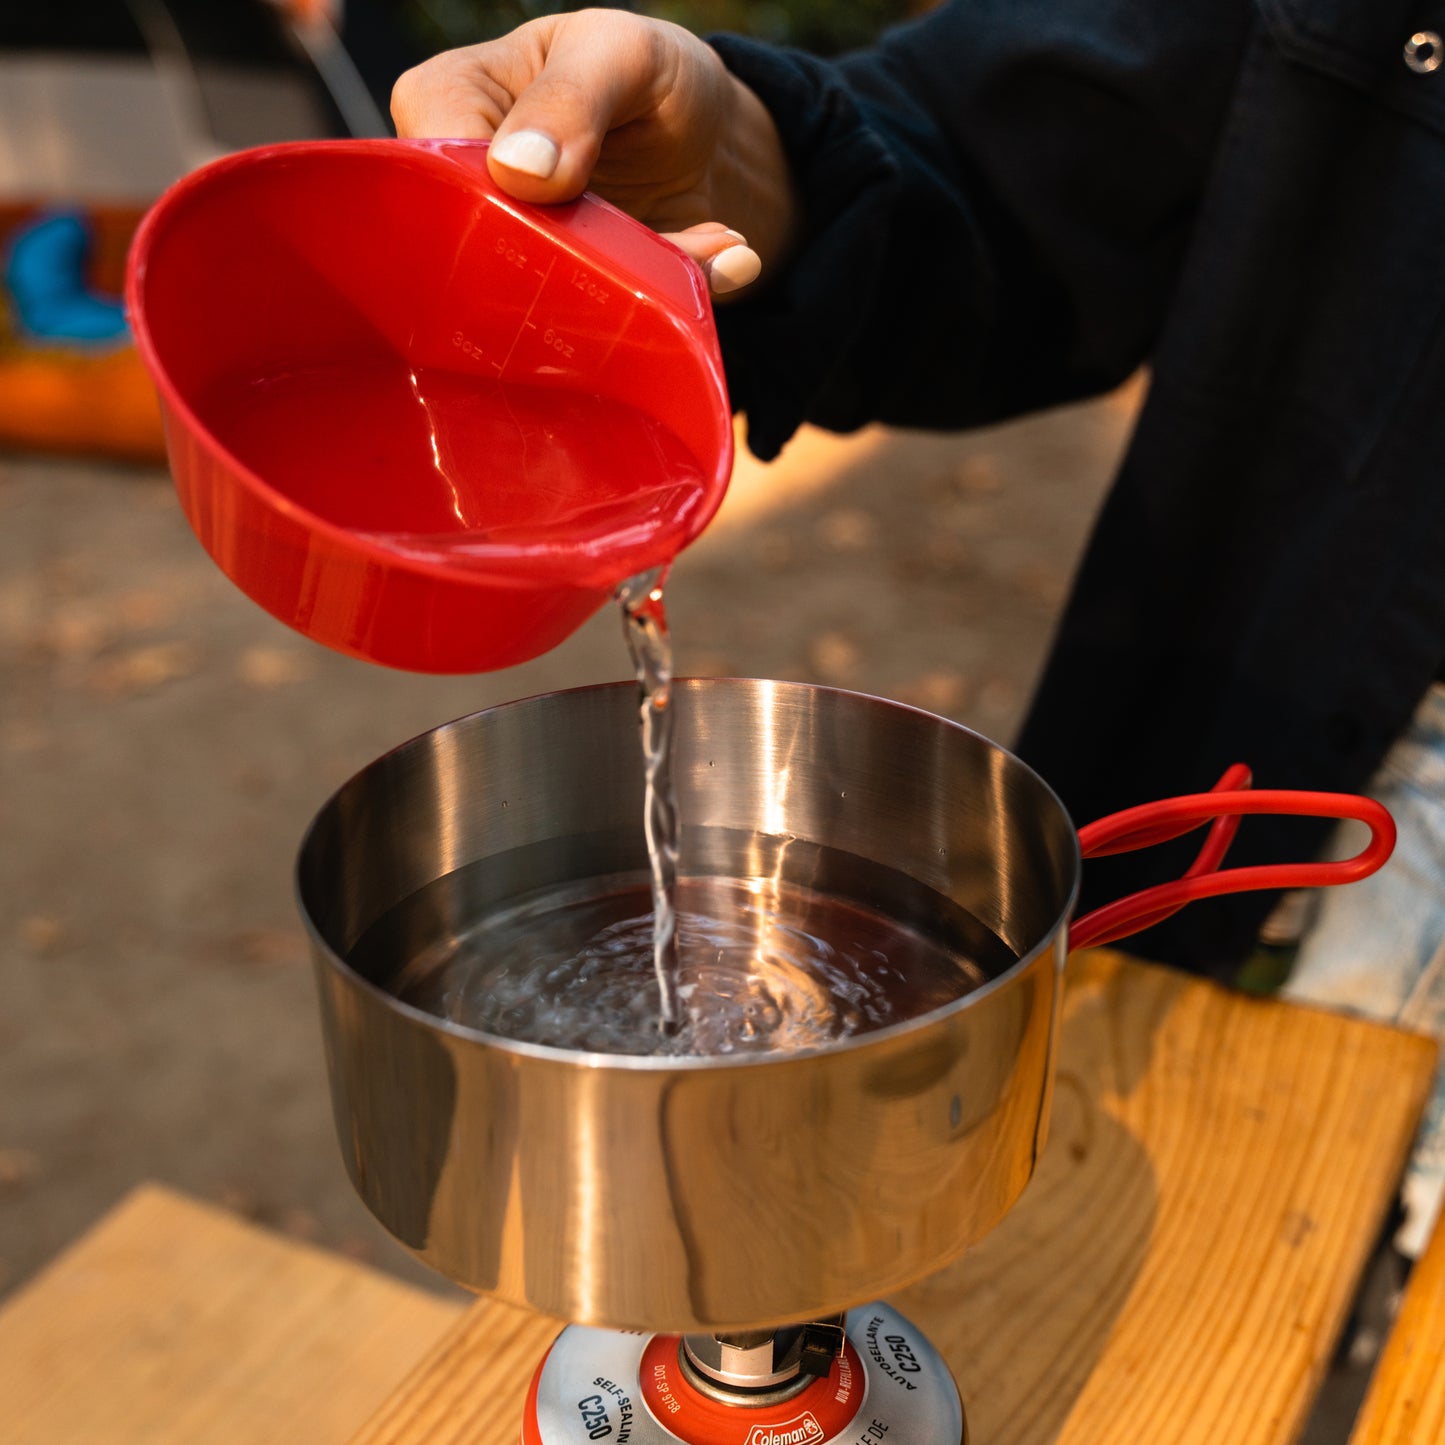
[1223, 807]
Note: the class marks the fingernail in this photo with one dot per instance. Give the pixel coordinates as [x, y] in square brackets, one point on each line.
[737, 236]
[528, 151]
[733, 268]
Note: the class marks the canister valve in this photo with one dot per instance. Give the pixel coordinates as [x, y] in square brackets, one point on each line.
[762, 1366]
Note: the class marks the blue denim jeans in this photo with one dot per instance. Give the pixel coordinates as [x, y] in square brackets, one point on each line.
[1378, 947]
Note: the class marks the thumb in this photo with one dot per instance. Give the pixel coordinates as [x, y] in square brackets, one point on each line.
[600, 72]
[545, 95]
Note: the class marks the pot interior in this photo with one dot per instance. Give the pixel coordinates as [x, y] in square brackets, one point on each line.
[808, 798]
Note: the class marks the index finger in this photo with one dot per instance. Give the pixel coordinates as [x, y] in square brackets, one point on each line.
[465, 94]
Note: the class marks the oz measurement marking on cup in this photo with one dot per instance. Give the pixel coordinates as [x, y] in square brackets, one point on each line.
[584, 283]
[557, 342]
[527, 323]
[466, 347]
[553, 338]
[511, 254]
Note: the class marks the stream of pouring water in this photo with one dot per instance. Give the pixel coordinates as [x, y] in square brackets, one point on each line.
[645, 624]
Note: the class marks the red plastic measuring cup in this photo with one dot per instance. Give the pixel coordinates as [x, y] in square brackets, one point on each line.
[421, 422]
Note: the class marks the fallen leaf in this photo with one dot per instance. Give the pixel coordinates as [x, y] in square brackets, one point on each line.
[1042, 582]
[41, 934]
[145, 669]
[271, 947]
[18, 1170]
[252, 780]
[357, 1247]
[243, 1202]
[271, 667]
[146, 607]
[998, 694]
[973, 523]
[26, 737]
[708, 664]
[941, 553]
[71, 575]
[79, 630]
[977, 476]
[835, 657]
[299, 1223]
[774, 550]
[847, 529]
[20, 610]
[941, 690]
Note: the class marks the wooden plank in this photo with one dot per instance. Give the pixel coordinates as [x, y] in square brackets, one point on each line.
[1406, 1400]
[173, 1323]
[1217, 1173]
[471, 1387]
[1178, 1270]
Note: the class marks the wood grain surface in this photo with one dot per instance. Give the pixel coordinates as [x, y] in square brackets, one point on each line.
[1217, 1172]
[1178, 1270]
[470, 1389]
[174, 1323]
[1406, 1401]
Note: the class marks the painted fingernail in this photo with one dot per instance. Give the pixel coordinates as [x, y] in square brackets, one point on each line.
[731, 269]
[528, 151]
[737, 236]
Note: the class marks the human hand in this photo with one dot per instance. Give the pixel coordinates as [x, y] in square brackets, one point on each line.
[639, 110]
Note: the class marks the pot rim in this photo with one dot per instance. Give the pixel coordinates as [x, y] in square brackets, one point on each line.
[687, 1063]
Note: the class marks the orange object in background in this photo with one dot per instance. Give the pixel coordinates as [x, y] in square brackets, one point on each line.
[77, 398]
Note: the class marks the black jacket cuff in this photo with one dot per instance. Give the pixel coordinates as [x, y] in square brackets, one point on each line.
[784, 348]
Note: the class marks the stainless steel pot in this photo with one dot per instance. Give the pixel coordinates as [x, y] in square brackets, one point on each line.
[696, 1193]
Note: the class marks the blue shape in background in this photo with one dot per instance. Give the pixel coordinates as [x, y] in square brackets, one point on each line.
[45, 278]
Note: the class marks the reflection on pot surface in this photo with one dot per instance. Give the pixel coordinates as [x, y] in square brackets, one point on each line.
[878, 895]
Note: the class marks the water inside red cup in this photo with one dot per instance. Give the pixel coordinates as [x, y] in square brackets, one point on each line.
[439, 466]
[417, 420]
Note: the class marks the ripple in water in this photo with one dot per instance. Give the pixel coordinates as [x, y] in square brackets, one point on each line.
[761, 966]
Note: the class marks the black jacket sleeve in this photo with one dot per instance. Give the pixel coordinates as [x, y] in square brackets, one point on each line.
[996, 200]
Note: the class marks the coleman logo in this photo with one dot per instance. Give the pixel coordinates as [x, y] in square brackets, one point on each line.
[805, 1430]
